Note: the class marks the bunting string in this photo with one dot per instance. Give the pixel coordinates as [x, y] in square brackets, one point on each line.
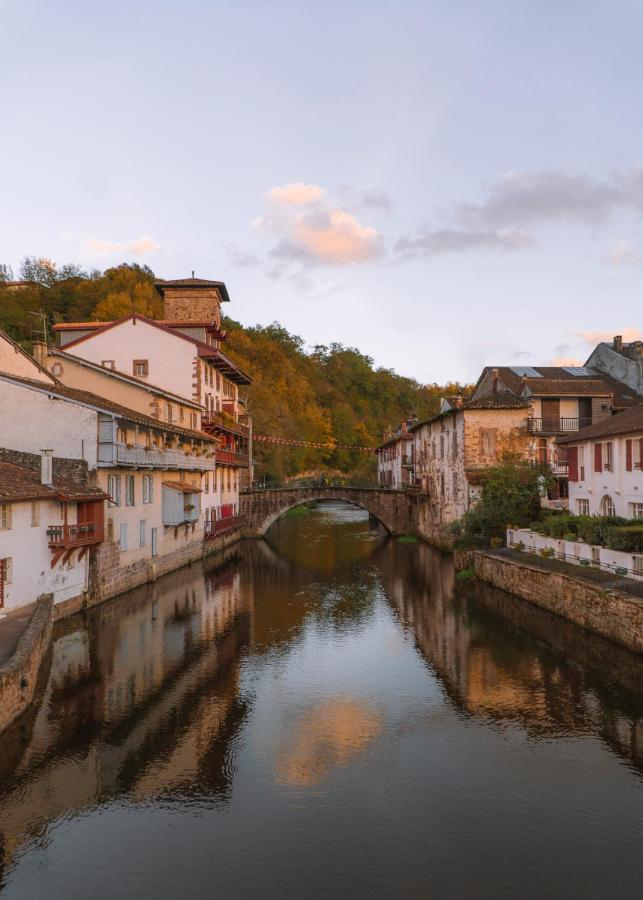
[288, 442]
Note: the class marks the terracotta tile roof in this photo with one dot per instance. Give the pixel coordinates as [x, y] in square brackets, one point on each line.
[19, 483]
[626, 422]
[103, 405]
[575, 387]
[501, 400]
[169, 323]
[161, 285]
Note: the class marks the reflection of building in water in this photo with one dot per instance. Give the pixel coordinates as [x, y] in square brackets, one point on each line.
[143, 697]
[481, 644]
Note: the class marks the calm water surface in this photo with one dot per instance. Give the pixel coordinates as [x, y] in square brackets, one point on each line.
[327, 714]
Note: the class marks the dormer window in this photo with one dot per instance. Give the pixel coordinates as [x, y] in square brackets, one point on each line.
[141, 368]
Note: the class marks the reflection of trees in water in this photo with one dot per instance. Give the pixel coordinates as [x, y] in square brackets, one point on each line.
[504, 659]
[142, 698]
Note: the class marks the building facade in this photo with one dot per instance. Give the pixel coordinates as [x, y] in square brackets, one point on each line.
[395, 459]
[606, 467]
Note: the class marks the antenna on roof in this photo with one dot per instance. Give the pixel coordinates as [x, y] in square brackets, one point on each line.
[192, 273]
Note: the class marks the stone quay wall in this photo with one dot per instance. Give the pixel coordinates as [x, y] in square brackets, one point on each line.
[19, 674]
[613, 615]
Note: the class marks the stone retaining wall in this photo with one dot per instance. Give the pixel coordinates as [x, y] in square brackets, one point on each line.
[613, 615]
[19, 675]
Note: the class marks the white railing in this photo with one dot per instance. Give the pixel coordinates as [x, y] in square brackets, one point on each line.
[154, 456]
[618, 562]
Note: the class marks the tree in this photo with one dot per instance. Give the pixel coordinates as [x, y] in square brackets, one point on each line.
[39, 269]
[6, 273]
[511, 495]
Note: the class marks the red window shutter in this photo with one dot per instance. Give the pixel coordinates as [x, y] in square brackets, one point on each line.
[572, 461]
[628, 456]
[598, 457]
[641, 454]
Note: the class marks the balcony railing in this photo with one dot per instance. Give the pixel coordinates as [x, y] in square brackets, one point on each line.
[156, 457]
[225, 423]
[220, 526]
[556, 425]
[232, 458]
[65, 537]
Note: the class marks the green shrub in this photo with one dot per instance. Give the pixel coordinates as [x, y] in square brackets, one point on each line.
[547, 552]
[594, 529]
[557, 526]
[537, 526]
[570, 536]
[496, 542]
[628, 538]
[465, 575]
[519, 546]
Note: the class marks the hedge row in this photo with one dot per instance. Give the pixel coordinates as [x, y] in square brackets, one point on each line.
[613, 532]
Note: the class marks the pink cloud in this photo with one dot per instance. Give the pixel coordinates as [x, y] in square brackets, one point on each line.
[137, 246]
[296, 193]
[628, 334]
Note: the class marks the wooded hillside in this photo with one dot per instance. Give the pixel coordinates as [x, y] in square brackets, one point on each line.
[314, 394]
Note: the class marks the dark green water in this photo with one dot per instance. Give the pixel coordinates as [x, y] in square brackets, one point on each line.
[329, 714]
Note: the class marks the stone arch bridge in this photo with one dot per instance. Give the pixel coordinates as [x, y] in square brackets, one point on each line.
[396, 510]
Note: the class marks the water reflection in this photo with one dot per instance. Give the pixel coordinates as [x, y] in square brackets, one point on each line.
[327, 712]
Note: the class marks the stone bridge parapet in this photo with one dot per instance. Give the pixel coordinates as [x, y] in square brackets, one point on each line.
[396, 510]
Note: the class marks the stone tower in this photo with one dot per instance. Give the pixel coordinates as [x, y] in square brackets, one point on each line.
[192, 300]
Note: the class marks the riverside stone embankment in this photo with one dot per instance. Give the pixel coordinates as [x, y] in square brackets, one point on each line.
[608, 611]
[19, 674]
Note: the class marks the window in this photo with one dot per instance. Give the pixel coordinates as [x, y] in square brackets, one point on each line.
[108, 364]
[607, 506]
[123, 536]
[608, 457]
[581, 463]
[121, 435]
[114, 489]
[57, 369]
[141, 368]
[582, 507]
[129, 490]
[181, 414]
[193, 421]
[142, 533]
[206, 485]
[489, 437]
[169, 412]
[636, 510]
[7, 569]
[35, 514]
[5, 516]
[148, 489]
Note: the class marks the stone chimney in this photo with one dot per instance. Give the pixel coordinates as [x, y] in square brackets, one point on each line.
[494, 381]
[458, 399]
[618, 343]
[46, 467]
[40, 353]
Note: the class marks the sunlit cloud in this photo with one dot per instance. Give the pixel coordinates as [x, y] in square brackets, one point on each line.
[626, 254]
[137, 246]
[296, 193]
[596, 337]
[308, 229]
[566, 361]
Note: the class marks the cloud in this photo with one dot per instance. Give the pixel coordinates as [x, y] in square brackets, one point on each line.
[520, 202]
[243, 259]
[566, 361]
[450, 240]
[296, 193]
[372, 199]
[309, 229]
[137, 246]
[596, 337]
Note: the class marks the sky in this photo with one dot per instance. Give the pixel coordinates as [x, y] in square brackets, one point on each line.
[444, 185]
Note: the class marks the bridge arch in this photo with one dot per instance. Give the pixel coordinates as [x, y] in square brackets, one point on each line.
[263, 507]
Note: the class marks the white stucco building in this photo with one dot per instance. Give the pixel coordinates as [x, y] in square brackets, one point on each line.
[606, 466]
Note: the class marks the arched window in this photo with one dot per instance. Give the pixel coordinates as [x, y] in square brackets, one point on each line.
[607, 506]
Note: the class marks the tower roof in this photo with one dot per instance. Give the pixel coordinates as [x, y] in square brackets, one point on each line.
[193, 284]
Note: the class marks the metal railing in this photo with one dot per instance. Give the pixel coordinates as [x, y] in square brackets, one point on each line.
[67, 536]
[583, 562]
[556, 424]
[215, 528]
[139, 455]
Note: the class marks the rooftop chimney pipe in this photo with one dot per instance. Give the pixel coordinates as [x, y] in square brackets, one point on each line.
[46, 467]
[494, 381]
[618, 343]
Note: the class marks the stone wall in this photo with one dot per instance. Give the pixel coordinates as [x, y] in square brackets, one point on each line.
[19, 675]
[611, 614]
[74, 469]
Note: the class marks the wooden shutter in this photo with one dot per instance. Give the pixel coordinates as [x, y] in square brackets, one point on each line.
[598, 457]
[628, 456]
[641, 454]
[572, 461]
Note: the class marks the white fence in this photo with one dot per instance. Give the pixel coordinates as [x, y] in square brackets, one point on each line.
[585, 555]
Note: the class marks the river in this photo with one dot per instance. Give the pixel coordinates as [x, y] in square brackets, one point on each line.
[329, 712]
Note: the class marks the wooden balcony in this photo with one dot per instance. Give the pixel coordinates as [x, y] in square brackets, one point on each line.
[232, 458]
[67, 537]
[214, 421]
[221, 526]
[558, 425]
